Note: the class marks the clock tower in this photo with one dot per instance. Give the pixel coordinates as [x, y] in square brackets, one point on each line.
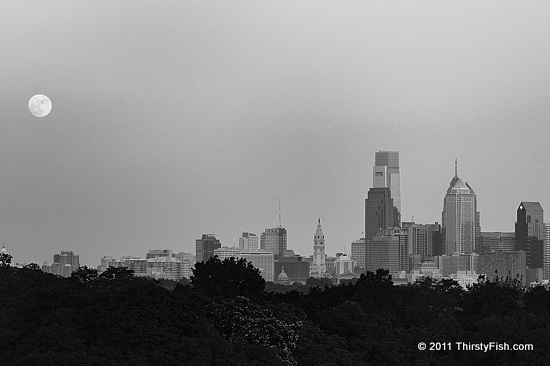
[318, 267]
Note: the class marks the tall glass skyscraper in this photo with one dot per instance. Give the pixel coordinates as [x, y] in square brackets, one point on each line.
[386, 174]
[383, 202]
[461, 228]
[380, 212]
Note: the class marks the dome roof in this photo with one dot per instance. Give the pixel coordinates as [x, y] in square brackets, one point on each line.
[282, 277]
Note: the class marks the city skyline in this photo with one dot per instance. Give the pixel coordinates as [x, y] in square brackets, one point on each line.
[170, 120]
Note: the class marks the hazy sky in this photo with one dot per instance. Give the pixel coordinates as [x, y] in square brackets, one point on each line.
[173, 118]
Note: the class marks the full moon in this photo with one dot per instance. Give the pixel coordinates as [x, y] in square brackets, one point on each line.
[40, 105]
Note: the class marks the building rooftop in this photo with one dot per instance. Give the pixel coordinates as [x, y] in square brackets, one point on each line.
[531, 206]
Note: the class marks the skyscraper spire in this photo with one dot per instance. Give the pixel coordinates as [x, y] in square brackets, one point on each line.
[456, 168]
[279, 211]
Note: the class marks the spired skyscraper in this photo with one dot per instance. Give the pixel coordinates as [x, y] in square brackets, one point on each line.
[274, 240]
[460, 219]
[383, 202]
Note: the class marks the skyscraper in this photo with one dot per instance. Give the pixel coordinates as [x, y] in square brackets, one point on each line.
[67, 257]
[358, 252]
[424, 239]
[547, 250]
[63, 264]
[530, 222]
[383, 202]
[386, 175]
[388, 250]
[248, 241]
[273, 240]
[460, 219]
[318, 267]
[380, 212]
[530, 233]
[205, 247]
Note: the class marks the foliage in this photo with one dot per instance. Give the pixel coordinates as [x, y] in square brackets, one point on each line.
[171, 284]
[117, 318]
[5, 259]
[84, 275]
[283, 289]
[240, 320]
[318, 282]
[381, 277]
[116, 273]
[49, 320]
[32, 267]
[228, 278]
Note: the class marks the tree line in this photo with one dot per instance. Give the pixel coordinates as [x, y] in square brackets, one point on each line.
[226, 314]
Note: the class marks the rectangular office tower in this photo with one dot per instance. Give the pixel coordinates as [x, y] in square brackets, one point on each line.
[380, 212]
[249, 241]
[383, 202]
[424, 239]
[273, 240]
[63, 264]
[530, 233]
[205, 247]
[386, 174]
[388, 250]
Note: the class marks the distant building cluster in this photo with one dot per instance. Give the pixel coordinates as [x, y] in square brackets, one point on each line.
[63, 264]
[158, 264]
[456, 249]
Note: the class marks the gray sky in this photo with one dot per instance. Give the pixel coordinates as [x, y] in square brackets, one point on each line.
[177, 117]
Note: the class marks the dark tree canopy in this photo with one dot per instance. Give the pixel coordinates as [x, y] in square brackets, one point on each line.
[32, 267]
[118, 319]
[116, 273]
[5, 259]
[228, 278]
[318, 282]
[84, 275]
